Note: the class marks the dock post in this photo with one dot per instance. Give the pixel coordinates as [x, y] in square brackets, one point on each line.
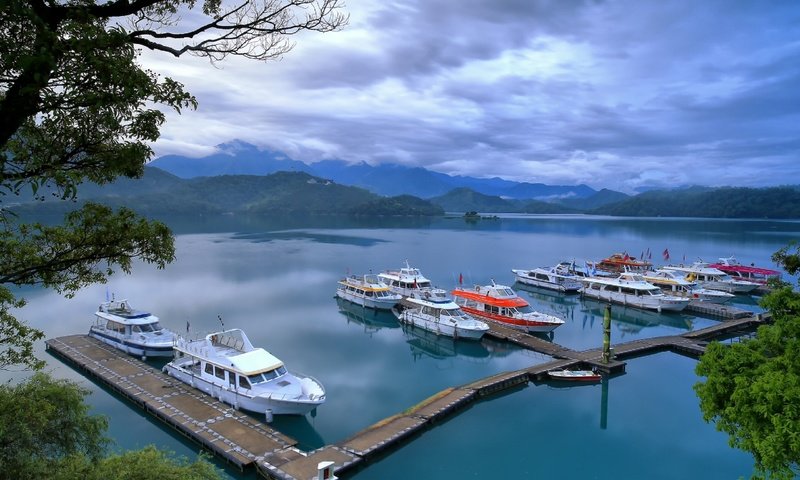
[607, 335]
[325, 471]
[604, 403]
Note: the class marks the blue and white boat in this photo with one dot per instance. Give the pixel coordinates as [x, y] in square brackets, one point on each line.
[135, 332]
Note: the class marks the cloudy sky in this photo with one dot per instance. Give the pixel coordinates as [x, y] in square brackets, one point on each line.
[617, 94]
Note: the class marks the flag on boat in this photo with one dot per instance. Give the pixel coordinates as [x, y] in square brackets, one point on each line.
[187, 326]
[460, 279]
[626, 257]
[666, 254]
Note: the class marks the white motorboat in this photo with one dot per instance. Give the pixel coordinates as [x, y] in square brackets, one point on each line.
[674, 283]
[501, 304]
[368, 291]
[405, 281]
[551, 278]
[135, 332]
[713, 278]
[434, 310]
[227, 366]
[632, 289]
[575, 375]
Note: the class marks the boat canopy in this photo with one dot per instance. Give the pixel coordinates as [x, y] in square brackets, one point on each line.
[254, 362]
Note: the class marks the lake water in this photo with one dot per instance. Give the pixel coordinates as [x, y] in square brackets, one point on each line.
[276, 279]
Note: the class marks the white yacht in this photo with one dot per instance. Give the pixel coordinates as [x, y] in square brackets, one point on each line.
[135, 332]
[227, 366]
[434, 310]
[674, 283]
[632, 289]
[712, 278]
[551, 278]
[368, 291]
[405, 281]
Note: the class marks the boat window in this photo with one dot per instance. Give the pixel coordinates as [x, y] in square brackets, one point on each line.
[508, 291]
[369, 293]
[243, 382]
[209, 369]
[219, 372]
[424, 284]
[491, 309]
[525, 309]
[444, 312]
[542, 276]
[148, 327]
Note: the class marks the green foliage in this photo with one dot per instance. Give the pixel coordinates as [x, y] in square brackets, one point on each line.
[146, 464]
[406, 205]
[46, 432]
[728, 202]
[752, 388]
[42, 422]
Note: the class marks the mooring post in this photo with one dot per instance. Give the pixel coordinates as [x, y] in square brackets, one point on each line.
[607, 335]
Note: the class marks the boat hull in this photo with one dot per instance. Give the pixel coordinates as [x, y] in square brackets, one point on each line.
[411, 317]
[644, 302]
[559, 286]
[530, 326]
[240, 400]
[131, 346]
[575, 376]
[368, 302]
[731, 287]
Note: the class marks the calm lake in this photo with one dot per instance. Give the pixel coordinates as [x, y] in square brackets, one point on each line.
[276, 279]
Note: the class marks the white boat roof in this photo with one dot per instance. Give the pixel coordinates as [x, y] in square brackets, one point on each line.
[366, 282]
[635, 281]
[407, 274]
[120, 311]
[254, 361]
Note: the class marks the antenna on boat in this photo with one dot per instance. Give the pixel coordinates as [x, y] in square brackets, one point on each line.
[219, 317]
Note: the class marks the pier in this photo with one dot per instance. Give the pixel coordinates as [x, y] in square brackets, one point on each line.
[247, 443]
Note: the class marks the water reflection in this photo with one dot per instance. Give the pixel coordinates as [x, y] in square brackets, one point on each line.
[318, 237]
[428, 344]
[633, 320]
[371, 319]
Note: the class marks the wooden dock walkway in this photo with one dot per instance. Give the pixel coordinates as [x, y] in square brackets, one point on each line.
[717, 310]
[245, 442]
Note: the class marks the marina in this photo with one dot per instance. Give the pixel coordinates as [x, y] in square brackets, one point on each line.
[247, 443]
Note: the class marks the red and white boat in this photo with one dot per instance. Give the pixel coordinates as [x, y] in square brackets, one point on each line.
[501, 304]
[575, 375]
[751, 273]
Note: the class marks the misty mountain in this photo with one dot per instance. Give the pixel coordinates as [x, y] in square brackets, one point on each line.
[384, 179]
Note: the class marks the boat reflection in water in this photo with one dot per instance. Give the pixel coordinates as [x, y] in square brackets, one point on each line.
[424, 343]
[372, 320]
[633, 320]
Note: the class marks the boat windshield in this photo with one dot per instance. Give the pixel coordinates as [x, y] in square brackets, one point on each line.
[524, 309]
[147, 328]
[266, 376]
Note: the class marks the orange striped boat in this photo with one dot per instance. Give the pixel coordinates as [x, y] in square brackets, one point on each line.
[501, 304]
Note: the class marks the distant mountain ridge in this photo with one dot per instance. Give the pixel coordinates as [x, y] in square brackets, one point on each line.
[159, 192]
[385, 179]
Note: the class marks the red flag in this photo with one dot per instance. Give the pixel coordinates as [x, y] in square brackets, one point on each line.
[627, 257]
[415, 283]
[460, 279]
[666, 254]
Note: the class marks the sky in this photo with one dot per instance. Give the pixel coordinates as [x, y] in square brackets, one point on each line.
[620, 94]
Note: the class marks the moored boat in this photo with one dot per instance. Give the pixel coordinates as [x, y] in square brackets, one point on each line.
[575, 375]
[750, 273]
[405, 281]
[631, 289]
[713, 278]
[135, 332]
[674, 283]
[368, 291]
[433, 310]
[499, 303]
[549, 278]
[227, 366]
[621, 262]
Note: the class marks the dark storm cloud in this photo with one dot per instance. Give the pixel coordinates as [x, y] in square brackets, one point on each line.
[555, 91]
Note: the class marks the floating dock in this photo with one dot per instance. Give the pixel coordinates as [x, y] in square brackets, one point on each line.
[247, 443]
[716, 310]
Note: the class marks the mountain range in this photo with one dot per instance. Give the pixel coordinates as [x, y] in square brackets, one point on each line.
[238, 158]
